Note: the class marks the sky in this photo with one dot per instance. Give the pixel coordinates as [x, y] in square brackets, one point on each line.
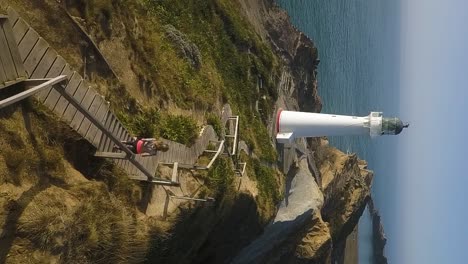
[432, 171]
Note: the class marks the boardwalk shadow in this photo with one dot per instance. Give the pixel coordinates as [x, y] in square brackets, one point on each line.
[17, 207]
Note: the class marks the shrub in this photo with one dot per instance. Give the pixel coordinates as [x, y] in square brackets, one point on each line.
[142, 124]
[182, 129]
[267, 182]
[215, 122]
[220, 177]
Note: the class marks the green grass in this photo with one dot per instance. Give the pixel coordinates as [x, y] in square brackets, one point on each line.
[269, 186]
[233, 57]
[182, 129]
[154, 123]
[215, 122]
[95, 228]
[220, 178]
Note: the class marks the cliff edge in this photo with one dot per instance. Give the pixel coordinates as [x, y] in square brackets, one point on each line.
[305, 231]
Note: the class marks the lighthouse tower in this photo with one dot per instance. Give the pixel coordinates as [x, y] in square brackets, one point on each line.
[292, 124]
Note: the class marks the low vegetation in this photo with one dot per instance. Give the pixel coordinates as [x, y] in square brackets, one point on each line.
[214, 121]
[220, 177]
[194, 55]
[269, 185]
[54, 211]
[188, 55]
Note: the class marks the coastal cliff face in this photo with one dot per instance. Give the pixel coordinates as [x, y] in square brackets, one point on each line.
[298, 82]
[343, 180]
[346, 184]
[379, 239]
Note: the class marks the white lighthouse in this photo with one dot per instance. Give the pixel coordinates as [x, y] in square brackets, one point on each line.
[292, 124]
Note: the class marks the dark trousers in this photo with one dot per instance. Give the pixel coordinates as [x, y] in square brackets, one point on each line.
[131, 145]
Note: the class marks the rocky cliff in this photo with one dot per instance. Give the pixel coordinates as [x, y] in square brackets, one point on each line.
[298, 83]
[378, 235]
[316, 232]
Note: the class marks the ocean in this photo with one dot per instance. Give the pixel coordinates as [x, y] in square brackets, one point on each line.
[358, 44]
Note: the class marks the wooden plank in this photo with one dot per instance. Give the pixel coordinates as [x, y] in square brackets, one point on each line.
[97, 140]
[5, 58]
[71, 110]
[41, 71]
[94, 110]
[3, 77]
[121, 164]
[27, 43]
[188, 155]
[112, 125]
[13, 46]
[144, 162]
[175, 172]
[55, 70]
[111, 155]
[62, 103]
[126, 165]
[12, 15]
[113, 130]
[152, 165]
[30, 92]
[135, 170]
[106, 123]
[125, 135]
[54, 95]
[35, 56]
[147, 162]
[109, 126]
[45, 64]
[102, 117]
[130, 169]
[119, 131]
[19, 30]
[78, 119]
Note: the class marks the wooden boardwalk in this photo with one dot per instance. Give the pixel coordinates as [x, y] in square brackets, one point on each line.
[40, 60]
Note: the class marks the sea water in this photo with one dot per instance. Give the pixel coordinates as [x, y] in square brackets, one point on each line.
[358, 45]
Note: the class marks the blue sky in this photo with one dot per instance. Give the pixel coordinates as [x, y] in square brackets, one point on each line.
[433, 165]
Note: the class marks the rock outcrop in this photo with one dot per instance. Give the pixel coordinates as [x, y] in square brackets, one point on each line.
[378, 235]
[301, 207]
[312, 218]
[300, 56]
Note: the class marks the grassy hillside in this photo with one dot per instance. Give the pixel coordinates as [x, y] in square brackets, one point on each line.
[49, 210]
[177, 63]
[194, 55]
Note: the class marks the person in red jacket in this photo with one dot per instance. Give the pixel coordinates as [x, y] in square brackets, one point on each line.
[145, 146]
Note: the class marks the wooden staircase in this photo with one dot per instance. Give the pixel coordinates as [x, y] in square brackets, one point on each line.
[82, 108]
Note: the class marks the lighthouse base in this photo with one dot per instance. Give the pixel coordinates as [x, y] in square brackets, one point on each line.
[283, 138]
